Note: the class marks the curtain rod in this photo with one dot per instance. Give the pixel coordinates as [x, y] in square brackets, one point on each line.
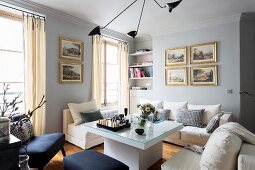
[23, 11]
[114, 38]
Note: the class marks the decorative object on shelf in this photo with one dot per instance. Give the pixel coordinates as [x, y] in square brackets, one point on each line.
[10, 108]
[176, 76]
[176, 56]
[70, 72]
[139, 131]
[170, 6]
[203, 53]
[71, 49]
[204, 75]
[142, 50]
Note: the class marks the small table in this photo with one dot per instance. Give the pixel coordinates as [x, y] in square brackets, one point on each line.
[136, 151]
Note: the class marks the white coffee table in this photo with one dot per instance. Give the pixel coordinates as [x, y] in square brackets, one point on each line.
[136, 151]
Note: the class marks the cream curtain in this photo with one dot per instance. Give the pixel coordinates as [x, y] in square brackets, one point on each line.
[35, 72]
[123, 76]
[97, 70]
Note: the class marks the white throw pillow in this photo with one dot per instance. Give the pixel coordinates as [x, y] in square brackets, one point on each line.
[210, 111]
[75, 110]
[221, 151]
[174, 106]
[155, 103]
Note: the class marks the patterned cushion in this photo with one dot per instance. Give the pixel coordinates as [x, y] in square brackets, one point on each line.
[213, 124]
[162, 114]
[23, 132]
[190, 117]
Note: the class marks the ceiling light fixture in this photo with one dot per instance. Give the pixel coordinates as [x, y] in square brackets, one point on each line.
[170, 6]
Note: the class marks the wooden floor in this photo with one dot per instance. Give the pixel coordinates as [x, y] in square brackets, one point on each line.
[56, 163]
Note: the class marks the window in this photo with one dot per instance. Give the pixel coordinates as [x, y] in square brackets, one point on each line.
[109, 74]
[12, 58]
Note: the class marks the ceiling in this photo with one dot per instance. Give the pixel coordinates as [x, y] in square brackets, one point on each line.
[155, 20]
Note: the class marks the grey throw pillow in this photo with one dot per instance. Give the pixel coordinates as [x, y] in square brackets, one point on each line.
[190, 117]
[162, 114]
[91, 116]
[213, 123]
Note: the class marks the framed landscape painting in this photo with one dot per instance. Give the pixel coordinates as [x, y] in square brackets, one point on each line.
[71, 49]
[70, 72]
[175, 56]
[204, 75]
[176, 76]
[203, 53]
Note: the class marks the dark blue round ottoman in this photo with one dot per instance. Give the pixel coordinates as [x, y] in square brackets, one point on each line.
[92, 160]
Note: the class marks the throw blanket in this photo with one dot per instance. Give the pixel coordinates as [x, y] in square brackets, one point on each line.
[231, 127]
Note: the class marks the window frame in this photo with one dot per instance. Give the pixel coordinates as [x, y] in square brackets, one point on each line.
[105, 104]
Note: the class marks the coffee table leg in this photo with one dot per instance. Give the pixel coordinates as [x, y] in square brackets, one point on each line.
[136, 159]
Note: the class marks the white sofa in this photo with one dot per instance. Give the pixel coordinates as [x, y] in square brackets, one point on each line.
[77, 135]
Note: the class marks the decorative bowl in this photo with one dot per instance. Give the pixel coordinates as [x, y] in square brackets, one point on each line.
[139, 131]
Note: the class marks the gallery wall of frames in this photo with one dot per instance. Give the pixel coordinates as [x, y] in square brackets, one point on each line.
[201, 71]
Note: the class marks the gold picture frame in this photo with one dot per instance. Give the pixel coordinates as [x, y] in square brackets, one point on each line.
[70, 72]
[71, 49]
[205, 75]
[203, 53]
[176, 76]
[176, 56]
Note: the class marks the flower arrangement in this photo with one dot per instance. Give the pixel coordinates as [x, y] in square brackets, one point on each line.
[146, 109]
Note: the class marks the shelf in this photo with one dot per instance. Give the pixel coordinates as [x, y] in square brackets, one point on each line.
[141, 53]
[141, 78]
[142, 65]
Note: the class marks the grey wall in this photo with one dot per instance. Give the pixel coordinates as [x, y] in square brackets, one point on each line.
[227, 36]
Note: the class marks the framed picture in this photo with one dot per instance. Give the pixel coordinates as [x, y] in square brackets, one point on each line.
[71, 49]
[70, 72]
[204, 75]
[203, 53]
[175, 56]
[176, 76]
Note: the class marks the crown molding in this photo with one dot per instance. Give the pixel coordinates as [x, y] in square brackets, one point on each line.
[44, 10]
[210, 23]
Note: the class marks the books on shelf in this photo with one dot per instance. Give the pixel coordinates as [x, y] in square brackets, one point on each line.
[136, 72]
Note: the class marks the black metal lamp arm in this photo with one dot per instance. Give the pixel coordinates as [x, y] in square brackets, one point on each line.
[160, 5]
[119, 14]
[140, 17]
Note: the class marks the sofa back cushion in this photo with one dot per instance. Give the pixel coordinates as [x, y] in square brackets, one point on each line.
[173, 107]
[221, 151]
[75, 110]
[91, 116]
[190, 117]
[210, 111]
[155, 103]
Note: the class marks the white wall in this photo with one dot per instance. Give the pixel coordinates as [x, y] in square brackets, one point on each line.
[227, 36]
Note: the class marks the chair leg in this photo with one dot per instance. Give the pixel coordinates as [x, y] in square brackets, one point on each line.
[63, 151]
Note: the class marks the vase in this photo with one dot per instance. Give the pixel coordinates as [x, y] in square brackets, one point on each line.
[4, 130]
[23, 162]
[142, 122]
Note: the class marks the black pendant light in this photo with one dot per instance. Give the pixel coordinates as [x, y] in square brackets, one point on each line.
[171, 6]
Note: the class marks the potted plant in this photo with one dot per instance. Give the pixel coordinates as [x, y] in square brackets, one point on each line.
[7, 109]
[146, 110]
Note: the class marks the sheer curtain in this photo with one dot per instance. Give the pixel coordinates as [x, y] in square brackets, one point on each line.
[123, 76]
[35, 72]
[97, 70]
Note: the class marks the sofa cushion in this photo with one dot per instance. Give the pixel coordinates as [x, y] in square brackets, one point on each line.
[75, 110]
[155, 103]
[246, 157]
[162, 114]
[184, 160]
[214, 123]
[173, 106]
[190, 117]
[194, 135]
[91, 116]
[221, 151]
[210, 111]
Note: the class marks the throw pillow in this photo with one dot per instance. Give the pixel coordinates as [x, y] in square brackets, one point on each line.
[221, 151]
[91, 116]
[213, 124]
[75, 110]
[173, 106]
[23, 132]
[155, 103]
[162, 114]
[210, 111]
[190, 117]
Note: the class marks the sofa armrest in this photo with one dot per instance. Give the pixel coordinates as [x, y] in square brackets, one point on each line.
[225, 118]
[109, 113]
[67, 119]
